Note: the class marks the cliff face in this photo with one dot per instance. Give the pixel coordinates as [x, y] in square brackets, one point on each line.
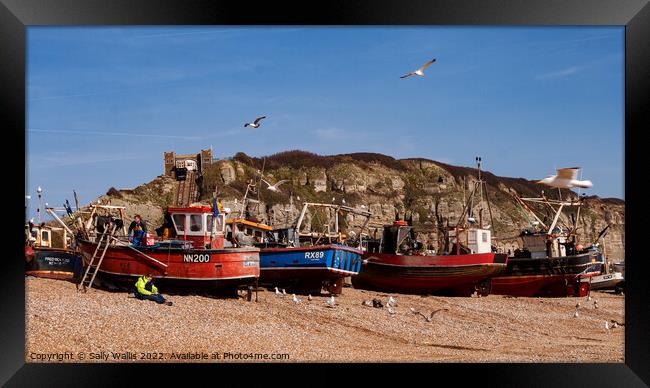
[428, 191]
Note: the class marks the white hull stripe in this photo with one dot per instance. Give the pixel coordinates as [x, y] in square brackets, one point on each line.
[179, 278]
[301, 268]
[437, 265]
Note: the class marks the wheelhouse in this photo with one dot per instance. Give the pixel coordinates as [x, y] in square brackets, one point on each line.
[197, 224]
[46, 236]
[255, 230]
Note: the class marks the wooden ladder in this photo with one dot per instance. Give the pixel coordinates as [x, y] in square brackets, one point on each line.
[92, 269]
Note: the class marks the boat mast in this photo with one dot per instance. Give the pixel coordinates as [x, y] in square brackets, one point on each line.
[40, 205]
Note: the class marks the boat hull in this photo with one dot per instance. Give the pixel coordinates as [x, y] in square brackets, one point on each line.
[53, 263]
[605, 281]
[455, 274]
[308, 268]
[200, 268]
[547, 277]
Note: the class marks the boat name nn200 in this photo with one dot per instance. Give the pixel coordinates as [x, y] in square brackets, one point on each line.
[196, 258]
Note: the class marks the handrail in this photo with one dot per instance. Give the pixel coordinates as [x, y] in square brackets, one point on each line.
[142, 253]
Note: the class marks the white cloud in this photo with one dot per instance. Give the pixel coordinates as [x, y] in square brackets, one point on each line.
[111, 133]
[559, 74]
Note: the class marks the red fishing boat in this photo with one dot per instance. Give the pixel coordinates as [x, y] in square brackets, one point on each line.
[551, 262]
[397, 266]
[399, 263]
[192, 252]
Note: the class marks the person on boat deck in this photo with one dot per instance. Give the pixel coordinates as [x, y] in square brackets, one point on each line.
[165, 231]
[145, 290]
[137, 230]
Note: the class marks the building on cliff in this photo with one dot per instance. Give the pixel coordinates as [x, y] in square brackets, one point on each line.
[173, 160]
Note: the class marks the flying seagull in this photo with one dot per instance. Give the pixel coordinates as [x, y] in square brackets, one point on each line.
[255, 123]
[566, 179]
[275, 186]
[420, 71]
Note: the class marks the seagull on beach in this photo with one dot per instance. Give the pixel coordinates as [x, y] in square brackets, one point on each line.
[277, 292]
[275, 186]
[330, 302]
[284, 292]
[607, 326]
[430, 317]
[575, 315]
[577, 305]
[420, 71]
[309, 298]
[367, 303]
[255, 123]
[566, 179]
[294, 298]
[391, 302]
[595, 303]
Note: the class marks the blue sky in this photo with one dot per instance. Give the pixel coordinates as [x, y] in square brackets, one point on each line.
[104, 103]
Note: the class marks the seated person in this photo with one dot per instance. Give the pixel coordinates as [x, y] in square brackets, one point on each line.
[145, 290]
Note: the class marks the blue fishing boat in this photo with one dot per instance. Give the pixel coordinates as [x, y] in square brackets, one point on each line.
[303, 261]
[309, 268]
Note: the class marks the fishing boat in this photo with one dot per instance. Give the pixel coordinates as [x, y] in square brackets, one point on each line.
[49, 250]
[611, 277]
[48, 253]
[192, 252]
[551, 263]
[304, 261]
[399, 263]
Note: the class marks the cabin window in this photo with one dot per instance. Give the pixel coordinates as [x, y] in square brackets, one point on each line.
[484, 236]
[179, 221]
[249, 231]
[196, 222]
[258, 234]
[208, 223]
[45, 235]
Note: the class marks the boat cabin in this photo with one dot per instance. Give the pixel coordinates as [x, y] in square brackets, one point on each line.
[246, 232]
[42, 236]
[538, 245]
[196, 224]
[398, 238]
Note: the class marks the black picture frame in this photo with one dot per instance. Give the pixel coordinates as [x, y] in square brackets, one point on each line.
[16, 15]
